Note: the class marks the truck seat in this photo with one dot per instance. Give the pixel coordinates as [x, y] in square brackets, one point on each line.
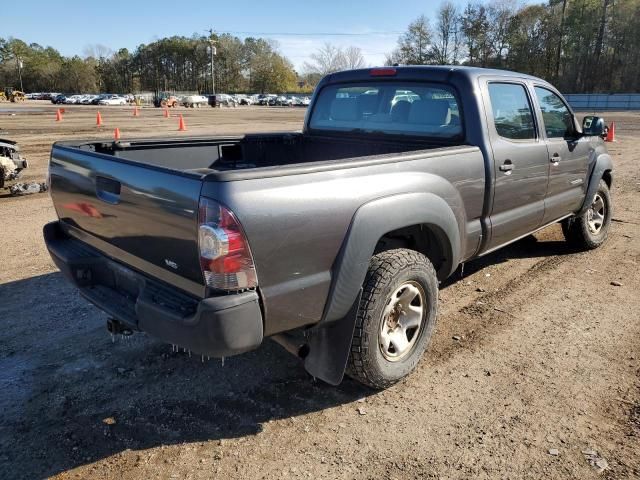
[430, 112]
[344, 109]
[400, 111]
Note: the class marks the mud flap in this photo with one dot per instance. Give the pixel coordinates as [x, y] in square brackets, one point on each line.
[329, 347]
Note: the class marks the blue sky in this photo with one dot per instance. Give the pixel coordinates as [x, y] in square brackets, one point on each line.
[72, 25]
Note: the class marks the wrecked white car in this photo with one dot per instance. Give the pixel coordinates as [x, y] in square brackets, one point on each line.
[11, 162]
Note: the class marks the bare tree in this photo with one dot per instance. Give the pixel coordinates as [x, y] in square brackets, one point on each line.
[476, 29]
[446, 48]
[97, 51]
[353, 58]
[500, 13]
[327, 59]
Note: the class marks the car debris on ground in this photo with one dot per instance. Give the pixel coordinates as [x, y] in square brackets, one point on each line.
[11, 162]
[20, 189]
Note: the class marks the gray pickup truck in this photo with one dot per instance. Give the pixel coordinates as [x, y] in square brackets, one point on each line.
[332, 240]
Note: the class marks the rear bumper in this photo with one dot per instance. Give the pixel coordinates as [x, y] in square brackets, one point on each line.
[216, 326]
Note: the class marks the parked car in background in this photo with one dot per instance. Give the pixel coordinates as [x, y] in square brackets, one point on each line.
[267, 99]
[284, 101]
[58, 99]
[226, 100]
[73, 99]
[112, 100]
[97, 98]
[191, 101]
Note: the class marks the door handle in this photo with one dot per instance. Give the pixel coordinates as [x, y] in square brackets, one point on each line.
[555, 158]
[506, 167]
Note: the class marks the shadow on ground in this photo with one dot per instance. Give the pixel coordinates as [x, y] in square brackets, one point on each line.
[71, 396]
[528, 247]
[61, 377]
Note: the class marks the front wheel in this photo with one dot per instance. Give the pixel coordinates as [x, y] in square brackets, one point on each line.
[396, 318]
[590, 230]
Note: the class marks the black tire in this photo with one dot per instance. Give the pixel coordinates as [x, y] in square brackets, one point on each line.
[388, 271]
[577, 230]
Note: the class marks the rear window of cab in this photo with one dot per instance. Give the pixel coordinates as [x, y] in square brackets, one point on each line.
[398, 108]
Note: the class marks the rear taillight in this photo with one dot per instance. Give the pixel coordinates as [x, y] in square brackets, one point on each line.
[225, 257]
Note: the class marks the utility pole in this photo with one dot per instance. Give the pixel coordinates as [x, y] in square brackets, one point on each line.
[20, 72]
[212, 44]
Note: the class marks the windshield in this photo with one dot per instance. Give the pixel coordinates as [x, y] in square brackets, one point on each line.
[398, 108]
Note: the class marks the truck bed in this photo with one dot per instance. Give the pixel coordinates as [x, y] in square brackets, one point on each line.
[138, 202]
[225, 154]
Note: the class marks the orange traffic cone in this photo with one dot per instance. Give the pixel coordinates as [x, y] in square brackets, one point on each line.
[181, 126]
[116, 134]
[58, 116]
[98, 120]
[611, 133]
[166, 112]
[135, 111]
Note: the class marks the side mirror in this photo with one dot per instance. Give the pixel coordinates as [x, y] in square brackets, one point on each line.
[593, 126]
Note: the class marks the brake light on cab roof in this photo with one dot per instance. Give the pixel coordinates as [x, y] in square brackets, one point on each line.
[382, 72]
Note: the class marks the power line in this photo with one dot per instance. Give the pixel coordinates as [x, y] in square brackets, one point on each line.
[314, 34]
[364, 54]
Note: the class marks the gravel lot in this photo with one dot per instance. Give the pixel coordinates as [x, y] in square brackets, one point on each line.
[542, 380]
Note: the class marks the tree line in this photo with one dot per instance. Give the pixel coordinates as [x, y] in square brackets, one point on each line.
[170, 64]
[579, 45]
[582, 46]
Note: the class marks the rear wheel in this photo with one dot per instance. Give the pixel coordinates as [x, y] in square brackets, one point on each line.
[396, 318]
[590, 230]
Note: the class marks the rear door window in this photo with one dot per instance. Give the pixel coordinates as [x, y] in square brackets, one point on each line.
[512, 113]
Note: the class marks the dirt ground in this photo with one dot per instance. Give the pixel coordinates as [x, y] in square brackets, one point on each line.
[541, 381]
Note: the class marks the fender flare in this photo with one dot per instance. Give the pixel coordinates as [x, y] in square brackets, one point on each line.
[372, 221]
[602, 164]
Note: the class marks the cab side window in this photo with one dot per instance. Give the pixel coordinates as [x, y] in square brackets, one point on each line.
[512, 113]
[558, 121]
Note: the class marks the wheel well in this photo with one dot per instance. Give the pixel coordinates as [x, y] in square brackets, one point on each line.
[606, 176]
[427, 239]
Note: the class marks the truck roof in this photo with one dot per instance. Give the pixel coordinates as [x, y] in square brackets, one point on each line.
[437, 73]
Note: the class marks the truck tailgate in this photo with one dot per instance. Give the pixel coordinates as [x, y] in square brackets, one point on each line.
[142, 215]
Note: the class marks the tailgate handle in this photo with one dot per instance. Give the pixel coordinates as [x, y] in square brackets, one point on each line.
[107, 189]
